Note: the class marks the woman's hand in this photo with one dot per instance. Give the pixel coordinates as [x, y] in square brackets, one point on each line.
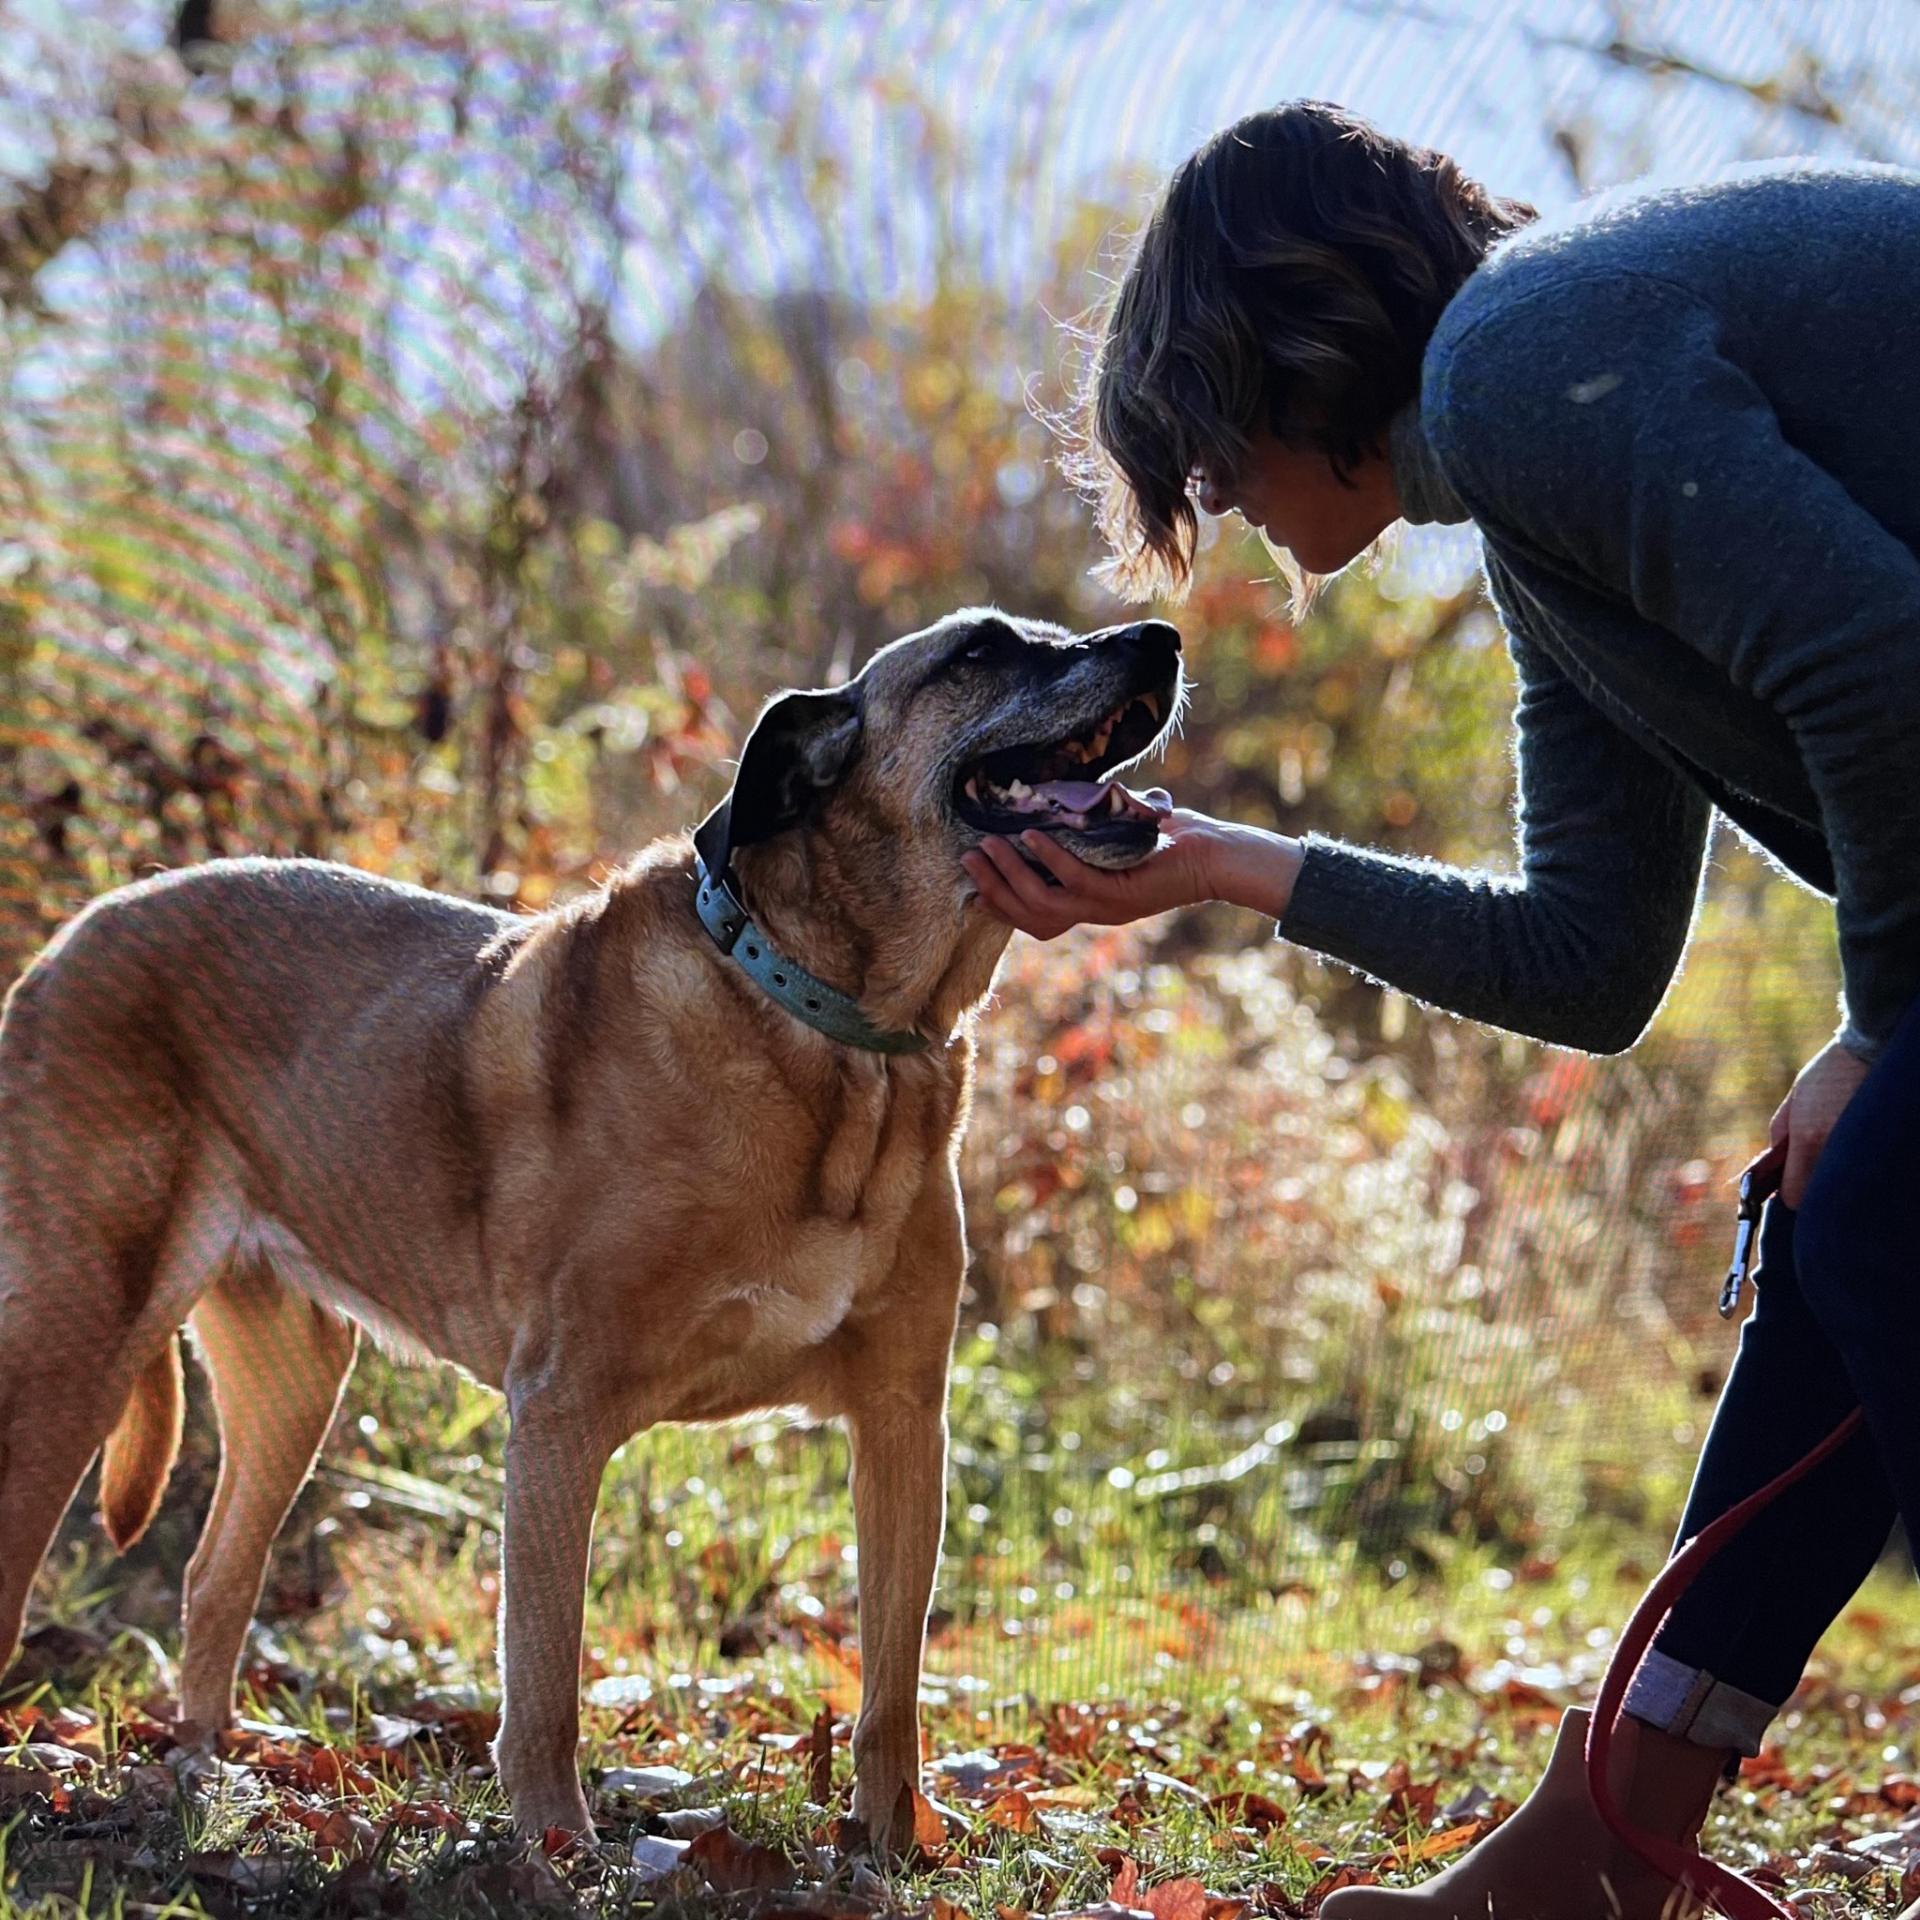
[1198, 859]
[1816, 1099]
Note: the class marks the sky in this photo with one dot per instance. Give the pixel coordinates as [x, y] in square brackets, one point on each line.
[1051, 103]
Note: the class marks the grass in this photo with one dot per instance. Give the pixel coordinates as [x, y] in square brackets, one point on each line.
[334, 1797]
[1318, 1414]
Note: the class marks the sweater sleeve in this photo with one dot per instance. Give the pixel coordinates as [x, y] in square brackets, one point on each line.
[1578, 950]
[1601, 420]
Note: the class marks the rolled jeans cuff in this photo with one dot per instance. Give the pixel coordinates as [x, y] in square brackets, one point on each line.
[1693, 1705]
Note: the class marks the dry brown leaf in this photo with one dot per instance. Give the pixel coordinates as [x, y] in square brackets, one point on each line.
[820, 1757]
[1347, 1876]
[733, 1865]
[335, 1831]
[842, 1689]
[1013, 1811]
[1174, 1900]
[1436, 1846]
[28, 1783]
[929, 1825]
[326, 1771]
[1244, 1808]
[1068, 1796]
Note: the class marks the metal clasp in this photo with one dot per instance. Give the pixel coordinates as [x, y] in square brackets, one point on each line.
[720, 911]
[1759, 1179]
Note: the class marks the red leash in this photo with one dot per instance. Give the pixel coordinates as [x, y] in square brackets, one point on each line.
[1734, 1895]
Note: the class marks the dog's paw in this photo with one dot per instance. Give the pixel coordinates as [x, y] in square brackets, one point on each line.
[895, 1827]
[550, 1819]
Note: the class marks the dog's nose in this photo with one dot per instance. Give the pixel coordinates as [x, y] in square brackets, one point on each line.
[1158, 633]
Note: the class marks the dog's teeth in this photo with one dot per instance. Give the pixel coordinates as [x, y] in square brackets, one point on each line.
[1116, 801]
[1018, 790]
[973, 788]
[1151, 701]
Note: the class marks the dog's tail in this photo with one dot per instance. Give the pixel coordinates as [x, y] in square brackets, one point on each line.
[140, 1450]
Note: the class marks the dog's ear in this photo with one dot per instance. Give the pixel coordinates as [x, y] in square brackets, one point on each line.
[799, 748]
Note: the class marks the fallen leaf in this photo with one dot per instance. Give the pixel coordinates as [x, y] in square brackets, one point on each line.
[329, 1772]
[504, 1884]
[1347, 1876]
[929, 1824]
[1180, 1789]
[1014, 1812]
[1436, 1846]
[820, 1757]
[392, 1730]
[27, 1783]
[1175, 1900]
[647, 1783]
[655, 1859]
[1242, 1808]
[733, 1865]
[1068, 1796]
[688, 1823]
[335, 1831]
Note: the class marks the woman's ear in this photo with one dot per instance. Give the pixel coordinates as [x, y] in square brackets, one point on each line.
[800, 747]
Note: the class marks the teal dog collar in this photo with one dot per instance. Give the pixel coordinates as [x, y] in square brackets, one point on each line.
[826, 1009]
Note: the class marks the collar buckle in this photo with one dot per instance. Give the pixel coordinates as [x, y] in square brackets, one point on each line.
[720, 910]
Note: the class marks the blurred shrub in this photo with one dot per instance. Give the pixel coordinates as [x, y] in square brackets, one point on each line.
[351, 513]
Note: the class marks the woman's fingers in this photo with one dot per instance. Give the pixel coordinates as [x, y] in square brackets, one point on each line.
[994, 893]
[1029, 887]
[1012, 882]
[1073, 874]
[1006, 886]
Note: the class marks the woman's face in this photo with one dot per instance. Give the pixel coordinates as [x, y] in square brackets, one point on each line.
[1293, 495]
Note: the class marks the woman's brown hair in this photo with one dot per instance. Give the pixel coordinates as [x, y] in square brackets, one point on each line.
[1289, 279]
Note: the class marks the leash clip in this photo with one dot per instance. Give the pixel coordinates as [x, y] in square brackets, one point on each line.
[1759, 1179]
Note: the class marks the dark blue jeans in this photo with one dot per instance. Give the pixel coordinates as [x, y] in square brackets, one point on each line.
[1835, 1324]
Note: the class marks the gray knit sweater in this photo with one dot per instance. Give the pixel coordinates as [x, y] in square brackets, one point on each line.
[1687, 426]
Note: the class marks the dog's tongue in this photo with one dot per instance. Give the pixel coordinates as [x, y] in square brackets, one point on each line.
[1073, 796]
[1090, 797]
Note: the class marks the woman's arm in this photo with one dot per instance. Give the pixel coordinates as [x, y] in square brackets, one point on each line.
[1675, 483]
[1576, 950]
[1579, 948]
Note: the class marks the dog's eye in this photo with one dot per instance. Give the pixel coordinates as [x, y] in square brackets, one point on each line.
[977, 653]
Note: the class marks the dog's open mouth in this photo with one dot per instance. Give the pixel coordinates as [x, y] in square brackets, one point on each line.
[1064, 786]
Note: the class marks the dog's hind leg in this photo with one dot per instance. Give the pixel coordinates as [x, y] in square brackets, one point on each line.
[278, 1363]
[50, 1428]
[89, 1300]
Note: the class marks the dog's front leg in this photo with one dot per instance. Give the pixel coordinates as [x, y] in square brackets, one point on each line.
[554, 1462]
[897, 1419]
[899, 1504]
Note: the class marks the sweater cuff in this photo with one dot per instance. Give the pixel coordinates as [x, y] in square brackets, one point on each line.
[1293, 916]
[1863, 1049]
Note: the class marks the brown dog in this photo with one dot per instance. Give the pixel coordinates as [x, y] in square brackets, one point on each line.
[631, 1160]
